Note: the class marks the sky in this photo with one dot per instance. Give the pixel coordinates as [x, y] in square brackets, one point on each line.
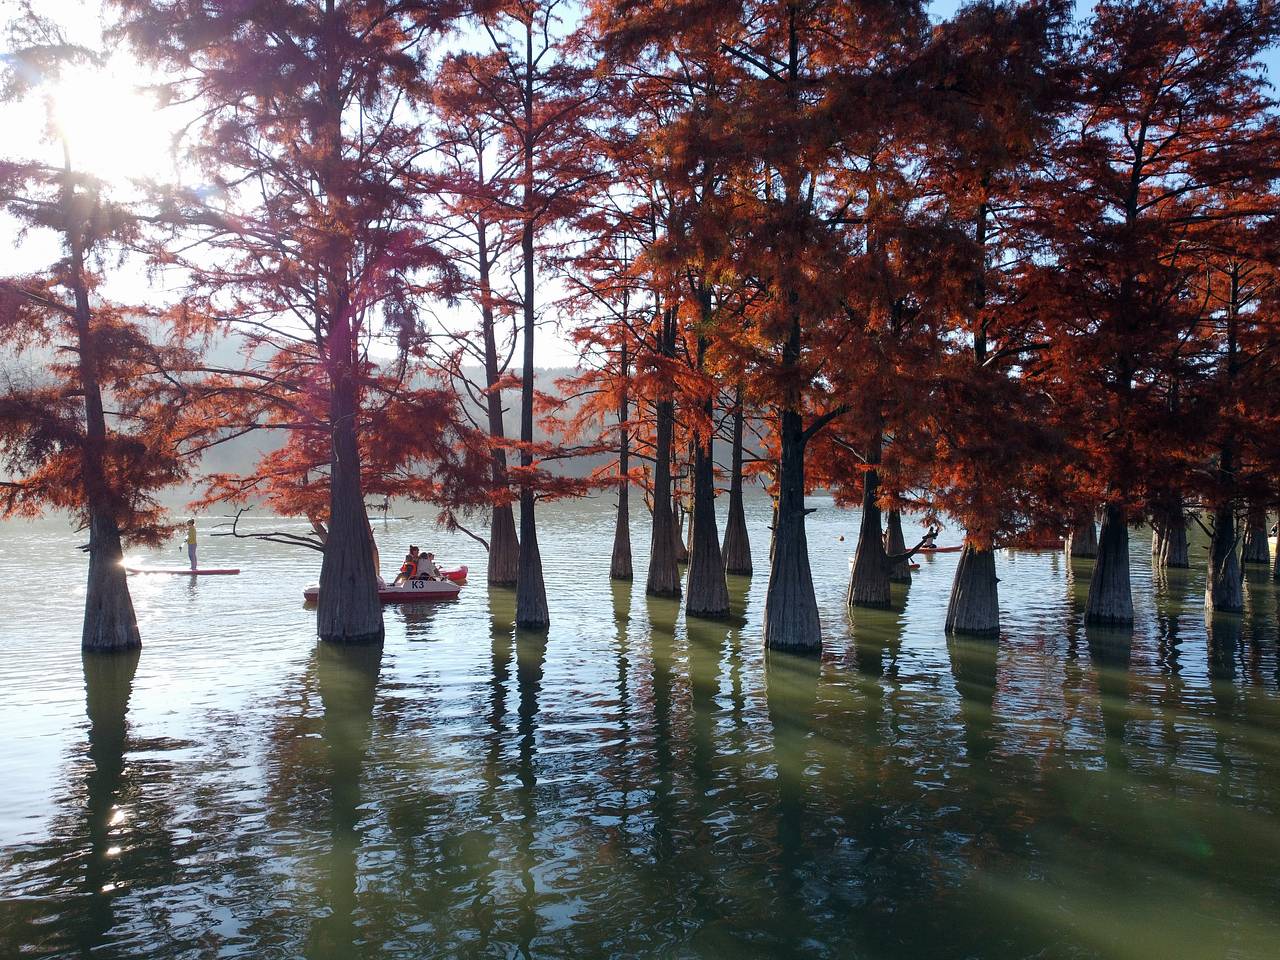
[125, 134]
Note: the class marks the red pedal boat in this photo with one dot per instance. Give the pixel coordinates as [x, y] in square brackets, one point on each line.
[414, 591]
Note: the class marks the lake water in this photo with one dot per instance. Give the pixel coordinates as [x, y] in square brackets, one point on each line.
[631, 784]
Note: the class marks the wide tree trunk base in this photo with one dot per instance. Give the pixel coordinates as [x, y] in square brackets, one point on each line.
[1169, 547]
[1224, 589]
[708, 594]
[791, 608]
[110, 623]
[504, 548]
[620, 567]
[664, 574]
[1110, 600]
[109, 620]
[899, 572]
[737, 544]
[1256, 549]
[975, 599]
[1082, 542]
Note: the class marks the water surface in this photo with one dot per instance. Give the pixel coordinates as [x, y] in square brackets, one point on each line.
[632, 784]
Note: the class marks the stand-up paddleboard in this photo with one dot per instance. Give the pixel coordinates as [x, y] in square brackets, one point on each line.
[187, 571]
[956, 549]
[414, 591]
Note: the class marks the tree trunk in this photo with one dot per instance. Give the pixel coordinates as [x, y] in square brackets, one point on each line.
[790, 606]
[899, 571]
[348, 609]
[737, 545]
[664, 573]
[1224, 591]
[504, 547]
[1110, 599]
[1082, 542]
[869, 581]
[708, 595]
[109, 620]
[531, 590]
[1256, 548]
[620, 563]
[975, 597]
[681, 545]
[773, 530]
[1169, 539]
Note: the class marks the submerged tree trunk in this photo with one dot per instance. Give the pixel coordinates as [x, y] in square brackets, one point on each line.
[1169, 547]
[869, 581]
[109, 619]
[773, 530]
[975, 598]
[1224, 591]
[348, 609]
[531, 590]
[1082, 542]
[620, 562]
[1256, 548]
[679, 515]
[1110, 598]
[504, 547]
[899, 570]
[790, 607]
[737, 545]
[664, 573]
[708, 595]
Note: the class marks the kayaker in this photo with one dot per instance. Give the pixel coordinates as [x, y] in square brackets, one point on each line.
[191, 542]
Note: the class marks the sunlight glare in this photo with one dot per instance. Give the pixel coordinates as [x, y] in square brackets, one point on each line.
[115, 129]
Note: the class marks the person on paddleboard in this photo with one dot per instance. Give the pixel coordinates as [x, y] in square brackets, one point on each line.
[191, 542]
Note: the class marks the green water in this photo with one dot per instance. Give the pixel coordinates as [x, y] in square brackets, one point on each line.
[632, 784]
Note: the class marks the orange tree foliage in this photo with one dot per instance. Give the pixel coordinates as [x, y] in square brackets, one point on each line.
[307, 246]
[1170, 118]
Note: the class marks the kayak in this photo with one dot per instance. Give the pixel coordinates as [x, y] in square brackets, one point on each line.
[414, 591]
[187, 571]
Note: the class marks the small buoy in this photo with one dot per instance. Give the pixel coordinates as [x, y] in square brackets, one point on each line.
[841, 538]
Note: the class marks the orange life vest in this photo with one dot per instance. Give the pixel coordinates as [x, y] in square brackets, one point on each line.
[409, 569]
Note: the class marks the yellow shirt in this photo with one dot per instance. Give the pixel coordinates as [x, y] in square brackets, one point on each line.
[191, 535]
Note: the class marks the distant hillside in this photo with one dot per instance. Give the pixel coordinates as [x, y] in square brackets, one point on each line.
[240, 455]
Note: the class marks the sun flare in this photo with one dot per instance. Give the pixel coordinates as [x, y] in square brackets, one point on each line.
[114, 128]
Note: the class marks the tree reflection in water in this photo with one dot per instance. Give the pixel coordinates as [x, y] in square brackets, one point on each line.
[347, 677]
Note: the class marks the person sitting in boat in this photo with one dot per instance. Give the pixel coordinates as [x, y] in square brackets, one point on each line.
[408, 569]
[428, 570]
